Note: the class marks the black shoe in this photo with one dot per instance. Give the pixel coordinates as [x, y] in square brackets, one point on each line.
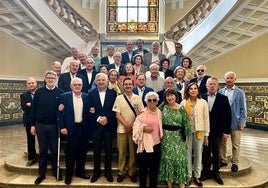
[133, 178]
[205, 176]
[120, 178]
[223, 164]
[60, 177]
[83, 176]
[198, 182]
[234, 168]
[94, 178]
[39, 179]
[68, 180]
[217, 178]
[32, 162]
[109, 177]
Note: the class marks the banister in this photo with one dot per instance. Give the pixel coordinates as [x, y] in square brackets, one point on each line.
[193, 17]
[73, 19]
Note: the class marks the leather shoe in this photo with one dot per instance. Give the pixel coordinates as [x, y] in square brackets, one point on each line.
[60, 177]
[205, 177]
[109, 177]
[94, 178]
[39, 179]
[133, 178]
[68, 180]
[120, 178]
[198, 182]
[223, 164]
[234, 168]
[83, 176]
[217, 178]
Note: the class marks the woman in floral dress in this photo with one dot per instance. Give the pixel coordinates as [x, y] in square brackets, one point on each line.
[173, 163]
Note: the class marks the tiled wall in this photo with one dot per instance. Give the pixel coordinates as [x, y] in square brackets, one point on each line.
[256, 94]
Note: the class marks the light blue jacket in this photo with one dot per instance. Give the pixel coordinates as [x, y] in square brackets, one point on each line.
[238, 108]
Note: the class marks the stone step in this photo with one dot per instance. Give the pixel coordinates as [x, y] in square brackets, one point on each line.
[257, 177]
[248, 175]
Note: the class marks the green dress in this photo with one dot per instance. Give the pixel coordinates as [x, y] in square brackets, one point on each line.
[173, 162]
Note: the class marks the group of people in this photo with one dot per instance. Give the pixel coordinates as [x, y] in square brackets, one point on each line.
[161, 115]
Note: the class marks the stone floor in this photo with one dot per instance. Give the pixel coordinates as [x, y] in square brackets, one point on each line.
[254, 145]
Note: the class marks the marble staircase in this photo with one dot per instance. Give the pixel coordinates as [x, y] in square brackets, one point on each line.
[14, 173]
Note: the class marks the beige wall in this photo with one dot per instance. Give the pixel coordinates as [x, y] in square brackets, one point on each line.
[248, 61]
[92, 16]
[19, 60]
[174, 15]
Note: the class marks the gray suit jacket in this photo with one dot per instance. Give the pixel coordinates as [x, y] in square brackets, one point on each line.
[147, 58]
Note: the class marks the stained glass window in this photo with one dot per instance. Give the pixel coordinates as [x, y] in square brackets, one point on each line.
[132, 16]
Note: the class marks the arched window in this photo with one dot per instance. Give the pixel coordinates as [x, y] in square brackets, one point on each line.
[132, 16]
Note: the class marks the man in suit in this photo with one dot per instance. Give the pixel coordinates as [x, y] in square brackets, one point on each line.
[26, 103]
[176, 59]
[140, 50]
[127, 56]
[169, 84]
[107, 60]
[65, 78]
[140, 89]
[73, 113]
[201, 78]
[220, 127]
[149, 58]
[117, 65]
[103, 122]
[89, 73]
[237, 102]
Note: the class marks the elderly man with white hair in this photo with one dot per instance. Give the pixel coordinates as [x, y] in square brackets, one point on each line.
[154, 80]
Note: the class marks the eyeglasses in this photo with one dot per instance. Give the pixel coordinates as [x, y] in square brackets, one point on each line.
[77, 85]
[152, 100]
[200, 70]
[50, 78]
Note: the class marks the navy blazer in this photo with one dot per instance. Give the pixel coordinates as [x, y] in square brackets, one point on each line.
[144, 51]
[105, 60]
[125, 58]
[26, 97]
[66, 118]
[65, 80]
[146, 90]
[121, 68]
[202, 86]
[219, 116]
[83, 72]
[105, 110]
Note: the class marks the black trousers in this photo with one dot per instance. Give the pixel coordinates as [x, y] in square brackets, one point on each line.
[214, 159]
[30, 143]
[149, 162]
[75, 151]
[47, 135]
[99, 135]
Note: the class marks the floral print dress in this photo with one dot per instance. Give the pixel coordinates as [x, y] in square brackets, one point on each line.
[173, 162]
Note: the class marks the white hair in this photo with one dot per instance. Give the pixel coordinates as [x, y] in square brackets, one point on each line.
[151, 93]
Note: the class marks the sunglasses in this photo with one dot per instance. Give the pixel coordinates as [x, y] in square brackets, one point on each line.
[152, 100]
[200, 70]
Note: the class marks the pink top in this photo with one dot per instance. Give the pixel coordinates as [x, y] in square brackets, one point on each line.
[152, 120]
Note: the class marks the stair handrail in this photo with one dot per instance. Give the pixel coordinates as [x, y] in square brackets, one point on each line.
[193, 17]
[73, 19]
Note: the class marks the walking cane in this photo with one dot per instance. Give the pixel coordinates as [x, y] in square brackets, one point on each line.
[58, 157]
